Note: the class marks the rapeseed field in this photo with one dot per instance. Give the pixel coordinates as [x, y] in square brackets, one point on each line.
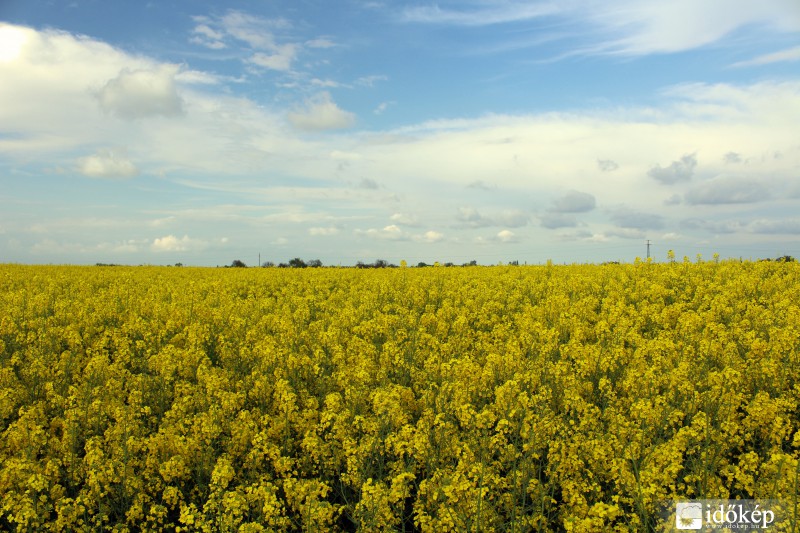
[526, 398]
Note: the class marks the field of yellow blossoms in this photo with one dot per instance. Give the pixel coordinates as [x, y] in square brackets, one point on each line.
[509, 398]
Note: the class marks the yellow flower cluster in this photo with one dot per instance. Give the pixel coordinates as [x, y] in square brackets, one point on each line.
[543, 398]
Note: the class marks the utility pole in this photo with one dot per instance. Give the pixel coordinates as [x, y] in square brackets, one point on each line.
[648, 248]
[259, 259]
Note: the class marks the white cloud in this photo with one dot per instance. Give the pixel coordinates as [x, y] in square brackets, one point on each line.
[472, 218]
[197, 77]
[391, 232]
[607, 165]
[789, 226]
[495, 14]
[318, 231]
[170, 243]
[383, 106]
[727, 190]
[404, 219]
[281, 57]
[327, 84]
[554, 220]
[628, 27]
[790, 54]
[506, 236]
[251, 29]
[321, 42]
[321, 113]
[631, 219]
[680, 170]
[574, 202]
[262, 35]
[206, 36]
[368, 183]
[107, 164]
[159, 222]
[430, 236]
[231, 146]
[12, 41]
[371, 80]
[142, 93]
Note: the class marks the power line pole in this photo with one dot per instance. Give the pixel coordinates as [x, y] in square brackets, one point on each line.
[648, 248]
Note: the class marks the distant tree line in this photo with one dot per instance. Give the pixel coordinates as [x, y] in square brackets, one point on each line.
[379, 263]
[782, 259]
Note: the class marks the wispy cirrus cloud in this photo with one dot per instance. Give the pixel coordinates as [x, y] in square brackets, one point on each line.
[789, 54]
[478, 13]
[620, 27]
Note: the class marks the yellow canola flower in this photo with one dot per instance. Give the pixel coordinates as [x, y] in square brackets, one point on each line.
[541, 398]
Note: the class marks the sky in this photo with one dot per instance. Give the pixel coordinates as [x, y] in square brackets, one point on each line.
[575, 131]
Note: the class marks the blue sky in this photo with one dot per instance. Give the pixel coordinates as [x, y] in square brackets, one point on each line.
[203, 132]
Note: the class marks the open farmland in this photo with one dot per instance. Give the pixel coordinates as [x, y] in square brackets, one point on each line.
[541, 398]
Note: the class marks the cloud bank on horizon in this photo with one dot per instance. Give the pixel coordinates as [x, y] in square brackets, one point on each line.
[423, 131]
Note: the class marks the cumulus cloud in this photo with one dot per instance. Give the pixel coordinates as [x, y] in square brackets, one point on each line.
[512, 218]
[506, 236]
[561, 213]
[404, 219]
[392, 232]
[430, 236]
[628, 218]
[727, 191]
[771, 226]
[171, 243]
[789, 226]
[552, 220]
[732, 158]
[710, 226]
[607, 165]
[574, 202]
[321, 113]
[471, 217]
[681, 170]
[368, 183]
[625, 233]
[107, 164]
[142, 93]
